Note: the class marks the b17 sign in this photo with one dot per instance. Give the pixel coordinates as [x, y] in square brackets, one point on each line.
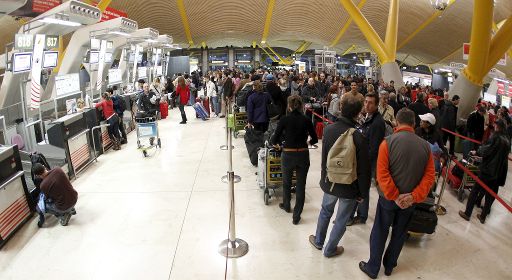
[465, 55]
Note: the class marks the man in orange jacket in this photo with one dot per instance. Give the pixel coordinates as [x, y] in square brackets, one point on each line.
[405, 172]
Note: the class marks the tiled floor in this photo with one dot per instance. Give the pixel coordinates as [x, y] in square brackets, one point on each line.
[163, 217]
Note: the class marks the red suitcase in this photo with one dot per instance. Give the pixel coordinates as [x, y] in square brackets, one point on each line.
[164, 110]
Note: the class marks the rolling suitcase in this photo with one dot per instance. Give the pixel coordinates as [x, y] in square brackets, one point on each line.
[164, 110]
[206, 104]
[254, 140]
[200, 111]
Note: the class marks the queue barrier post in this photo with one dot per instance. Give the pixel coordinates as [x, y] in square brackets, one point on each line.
[232, 247]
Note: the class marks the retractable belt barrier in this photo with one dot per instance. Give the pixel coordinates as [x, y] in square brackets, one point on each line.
[472, 175]
[319, 116]
[467, 138]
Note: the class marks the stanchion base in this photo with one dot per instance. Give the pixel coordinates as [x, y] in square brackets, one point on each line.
[225, 147]
[237, 179]
[236, 249]
[440, 210]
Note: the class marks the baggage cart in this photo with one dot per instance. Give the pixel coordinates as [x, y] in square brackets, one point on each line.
[148, 136]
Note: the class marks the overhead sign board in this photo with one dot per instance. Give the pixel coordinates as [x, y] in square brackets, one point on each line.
[455, 65]
[114, 76]
[23, 42]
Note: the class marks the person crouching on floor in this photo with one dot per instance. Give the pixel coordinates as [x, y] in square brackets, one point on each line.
[60, 195]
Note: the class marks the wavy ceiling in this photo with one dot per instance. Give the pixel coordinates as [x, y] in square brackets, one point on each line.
[240, 22]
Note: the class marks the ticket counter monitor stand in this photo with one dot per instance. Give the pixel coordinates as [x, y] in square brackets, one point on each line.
[35, 37]
[16, 205]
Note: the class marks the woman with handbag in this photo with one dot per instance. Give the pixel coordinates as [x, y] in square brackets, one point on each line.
[295, 129]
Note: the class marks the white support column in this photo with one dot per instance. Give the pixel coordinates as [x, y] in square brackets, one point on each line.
[204, 63]
[231, 57]
[391, 72]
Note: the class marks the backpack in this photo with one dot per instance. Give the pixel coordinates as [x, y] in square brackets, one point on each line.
[341, 160]
[334, 107]
[241, 97]
[119, 104]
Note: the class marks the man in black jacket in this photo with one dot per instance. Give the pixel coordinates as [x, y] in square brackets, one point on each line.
[493, 170]
[449, 117]
[419, 107]
[347, 195]
[373, 129]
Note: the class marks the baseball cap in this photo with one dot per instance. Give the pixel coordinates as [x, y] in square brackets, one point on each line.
[428, 118]
[270, 77]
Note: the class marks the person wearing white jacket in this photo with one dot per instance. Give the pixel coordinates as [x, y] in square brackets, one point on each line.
[211, 92]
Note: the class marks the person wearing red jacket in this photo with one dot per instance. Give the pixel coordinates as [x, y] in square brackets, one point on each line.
[111, 117]
[183, 95]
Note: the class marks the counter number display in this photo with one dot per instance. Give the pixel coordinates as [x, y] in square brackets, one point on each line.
[23, 42]
[51, 42]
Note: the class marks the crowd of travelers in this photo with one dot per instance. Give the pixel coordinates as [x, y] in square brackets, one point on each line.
[382, 136]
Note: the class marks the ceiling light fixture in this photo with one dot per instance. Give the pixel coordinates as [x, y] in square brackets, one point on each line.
[59, 21]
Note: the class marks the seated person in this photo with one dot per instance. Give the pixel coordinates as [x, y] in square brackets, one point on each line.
[60, 195]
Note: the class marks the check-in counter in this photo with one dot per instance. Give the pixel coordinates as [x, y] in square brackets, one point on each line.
[71, 133]
[16, 206]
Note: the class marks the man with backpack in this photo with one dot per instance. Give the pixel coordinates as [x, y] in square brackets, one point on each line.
[405, 173]
[119, 108]
[374, 129]
[345, 175]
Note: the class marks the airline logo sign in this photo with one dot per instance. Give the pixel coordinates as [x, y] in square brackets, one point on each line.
[465, 55]
[501, 88]
[455, 65]
[111, 13]
[33, 8]
[41, 6]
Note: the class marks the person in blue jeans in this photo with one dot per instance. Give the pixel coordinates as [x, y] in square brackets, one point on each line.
[346, 194]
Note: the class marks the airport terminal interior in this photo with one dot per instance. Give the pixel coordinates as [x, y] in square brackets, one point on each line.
[154, 139]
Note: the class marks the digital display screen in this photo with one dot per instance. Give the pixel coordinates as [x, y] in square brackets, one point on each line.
[142, 72]
[95, 44]
[21, 62]
[94, 57]
[67, 84]
[50, 59]
[108, 57]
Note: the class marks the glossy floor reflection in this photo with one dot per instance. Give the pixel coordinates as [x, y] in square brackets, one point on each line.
[163, 217]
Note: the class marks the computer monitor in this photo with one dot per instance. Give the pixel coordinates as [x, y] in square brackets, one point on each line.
[21, 62]
[94, 57]
[108, 57]
[50, 59]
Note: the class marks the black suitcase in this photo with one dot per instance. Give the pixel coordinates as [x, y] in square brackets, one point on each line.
[423, 220]
[254, 140]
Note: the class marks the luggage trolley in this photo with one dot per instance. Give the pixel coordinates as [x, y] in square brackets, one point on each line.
[240, 123]
[147, 133]
[270, 175]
